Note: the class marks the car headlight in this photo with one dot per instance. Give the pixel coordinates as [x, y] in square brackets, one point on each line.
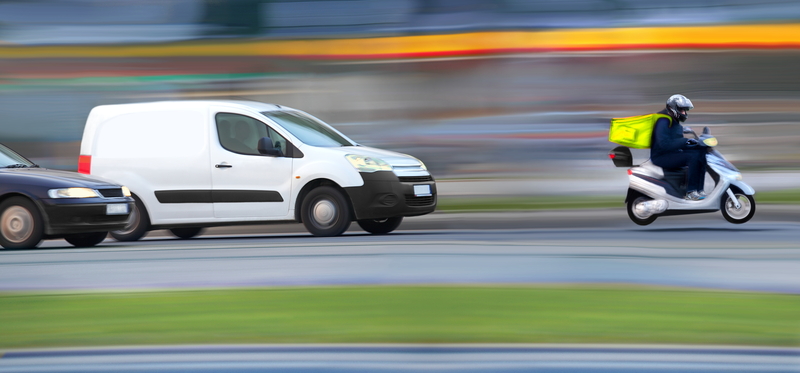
[367, 164]
[125, 191]
[72, 193]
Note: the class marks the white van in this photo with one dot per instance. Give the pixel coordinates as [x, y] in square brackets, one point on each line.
[196, 164]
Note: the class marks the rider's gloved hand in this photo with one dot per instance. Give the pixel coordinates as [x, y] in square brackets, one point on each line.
[691, 142]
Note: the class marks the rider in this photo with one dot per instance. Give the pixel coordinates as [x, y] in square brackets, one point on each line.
[670, 149]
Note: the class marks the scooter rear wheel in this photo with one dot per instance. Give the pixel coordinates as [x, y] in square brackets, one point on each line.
[741, 215]
[636, 216]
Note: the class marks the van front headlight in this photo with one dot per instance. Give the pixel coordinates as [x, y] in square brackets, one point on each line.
[125, 191]
[367, 164]
[72, 193]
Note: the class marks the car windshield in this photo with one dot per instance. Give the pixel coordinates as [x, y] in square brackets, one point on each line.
[10, 159]
[307, 129]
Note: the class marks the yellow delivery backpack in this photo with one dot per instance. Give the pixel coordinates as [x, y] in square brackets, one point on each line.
[634, 132]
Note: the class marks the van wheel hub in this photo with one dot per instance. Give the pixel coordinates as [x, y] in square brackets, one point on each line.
[324, 212]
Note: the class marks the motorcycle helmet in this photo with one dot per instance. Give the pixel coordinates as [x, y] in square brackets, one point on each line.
[677, 102]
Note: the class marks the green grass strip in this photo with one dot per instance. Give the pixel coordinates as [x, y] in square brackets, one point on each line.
[464, 204]
[401, 314]
[787, 196]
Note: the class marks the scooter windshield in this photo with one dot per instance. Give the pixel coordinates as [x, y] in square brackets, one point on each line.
[716, 160]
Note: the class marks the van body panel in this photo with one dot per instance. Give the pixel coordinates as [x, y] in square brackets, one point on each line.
[247, 173]
[162, 149]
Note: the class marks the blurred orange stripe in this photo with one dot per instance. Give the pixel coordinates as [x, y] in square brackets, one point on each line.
[475, 43]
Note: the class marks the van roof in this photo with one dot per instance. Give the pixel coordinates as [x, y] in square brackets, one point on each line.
[253, 105]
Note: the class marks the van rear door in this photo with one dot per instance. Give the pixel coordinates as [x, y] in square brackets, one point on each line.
[245, 184]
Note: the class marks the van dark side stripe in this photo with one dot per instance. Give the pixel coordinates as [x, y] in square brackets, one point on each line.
[211, 196]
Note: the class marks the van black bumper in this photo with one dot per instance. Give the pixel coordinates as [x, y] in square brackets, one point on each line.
[384, 195]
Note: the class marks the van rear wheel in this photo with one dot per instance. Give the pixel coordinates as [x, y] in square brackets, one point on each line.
[380, 226]
[137, 226]
[325, 212]
[186, 233]
[86, 239]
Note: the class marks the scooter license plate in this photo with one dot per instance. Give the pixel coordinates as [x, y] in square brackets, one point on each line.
[117, 209]
[422, 190]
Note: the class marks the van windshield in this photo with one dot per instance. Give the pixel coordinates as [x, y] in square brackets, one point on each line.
[307, 129]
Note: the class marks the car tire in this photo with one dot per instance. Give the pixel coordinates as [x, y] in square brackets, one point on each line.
[186, 233]
[21, 224]
[380, 226]
[137, 226]
[325, 212]
[86, 239]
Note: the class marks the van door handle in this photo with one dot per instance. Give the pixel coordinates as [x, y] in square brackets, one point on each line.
[223, 166]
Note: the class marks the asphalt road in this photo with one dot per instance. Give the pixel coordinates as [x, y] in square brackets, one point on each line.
[405, 358]
[578, 246]
[588, 246]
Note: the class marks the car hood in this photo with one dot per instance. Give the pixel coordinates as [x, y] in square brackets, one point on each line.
[48, 176]
[393, 158]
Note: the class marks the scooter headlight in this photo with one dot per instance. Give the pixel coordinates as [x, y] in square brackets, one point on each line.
[712, 141]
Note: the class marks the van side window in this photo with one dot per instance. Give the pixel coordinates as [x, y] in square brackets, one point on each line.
[240, 134]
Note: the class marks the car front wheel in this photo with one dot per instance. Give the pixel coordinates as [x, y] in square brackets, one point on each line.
[21, 225]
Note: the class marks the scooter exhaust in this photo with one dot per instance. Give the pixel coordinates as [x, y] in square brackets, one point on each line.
[651, 207]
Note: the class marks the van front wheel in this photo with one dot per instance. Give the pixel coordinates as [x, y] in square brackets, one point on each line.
[137, 226]
[380, 226]
[325, 212]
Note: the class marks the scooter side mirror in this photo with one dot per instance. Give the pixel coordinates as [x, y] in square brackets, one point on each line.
[705, 131]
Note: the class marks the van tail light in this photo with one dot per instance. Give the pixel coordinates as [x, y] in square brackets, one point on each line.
[630, 172]
[85, 164]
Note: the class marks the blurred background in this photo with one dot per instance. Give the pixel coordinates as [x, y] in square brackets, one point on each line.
[504, 97]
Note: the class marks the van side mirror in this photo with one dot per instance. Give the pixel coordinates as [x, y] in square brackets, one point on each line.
[265, 147]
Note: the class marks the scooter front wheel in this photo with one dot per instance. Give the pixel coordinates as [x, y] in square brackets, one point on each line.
[746, 210]
[637, 215]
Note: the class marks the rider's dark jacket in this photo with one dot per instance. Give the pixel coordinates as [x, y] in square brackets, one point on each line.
[667, 137]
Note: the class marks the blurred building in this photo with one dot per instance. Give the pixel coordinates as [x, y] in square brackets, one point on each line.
[137, 21]
[493, 115]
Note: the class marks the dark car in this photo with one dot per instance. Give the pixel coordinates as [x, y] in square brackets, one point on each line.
[38, 203]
